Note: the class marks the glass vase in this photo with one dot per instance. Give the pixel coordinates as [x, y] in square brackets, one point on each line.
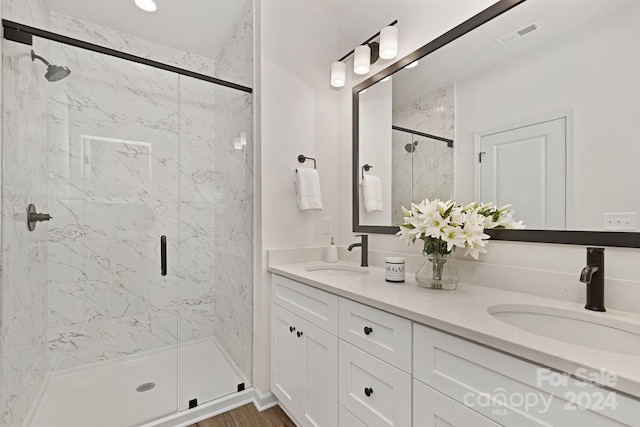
[436, 273]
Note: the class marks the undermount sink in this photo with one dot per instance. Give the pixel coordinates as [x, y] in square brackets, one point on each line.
[583, 328]
[338, 270]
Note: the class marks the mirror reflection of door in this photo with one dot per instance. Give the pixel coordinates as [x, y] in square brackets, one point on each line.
[526, 166]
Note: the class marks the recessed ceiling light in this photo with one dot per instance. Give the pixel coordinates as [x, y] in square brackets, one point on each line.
[147, 5]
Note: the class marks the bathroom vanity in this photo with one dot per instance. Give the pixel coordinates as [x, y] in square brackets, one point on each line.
[349, 349]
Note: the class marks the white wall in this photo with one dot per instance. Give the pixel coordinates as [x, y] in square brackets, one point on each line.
[297, 115]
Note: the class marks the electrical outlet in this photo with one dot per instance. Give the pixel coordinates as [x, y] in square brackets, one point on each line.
[619, 221]
[327, 225]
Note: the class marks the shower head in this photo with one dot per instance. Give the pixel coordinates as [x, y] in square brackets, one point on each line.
[411, 148]
[54, 72]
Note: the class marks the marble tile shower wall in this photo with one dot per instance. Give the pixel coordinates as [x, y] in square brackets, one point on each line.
[428, 172]
[23, 296]
[233, 235]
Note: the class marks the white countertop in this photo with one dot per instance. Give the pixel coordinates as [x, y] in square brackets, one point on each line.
[464, 312]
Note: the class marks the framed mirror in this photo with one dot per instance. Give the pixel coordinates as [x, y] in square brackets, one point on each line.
[529, 103]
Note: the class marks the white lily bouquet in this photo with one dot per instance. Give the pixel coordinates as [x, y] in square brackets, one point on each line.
[444, 226]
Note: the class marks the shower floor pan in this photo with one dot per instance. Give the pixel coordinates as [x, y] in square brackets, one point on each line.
[107, 394]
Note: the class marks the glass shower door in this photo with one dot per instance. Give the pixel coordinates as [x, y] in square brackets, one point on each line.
[104, 148]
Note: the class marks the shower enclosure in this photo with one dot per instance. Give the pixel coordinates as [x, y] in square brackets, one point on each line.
[133, 302]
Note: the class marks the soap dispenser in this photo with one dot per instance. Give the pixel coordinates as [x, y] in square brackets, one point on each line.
[332, 252]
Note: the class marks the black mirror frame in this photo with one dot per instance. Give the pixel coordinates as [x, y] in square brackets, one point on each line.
[599, 238]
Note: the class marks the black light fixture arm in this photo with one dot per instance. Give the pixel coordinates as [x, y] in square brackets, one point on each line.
[366, 41]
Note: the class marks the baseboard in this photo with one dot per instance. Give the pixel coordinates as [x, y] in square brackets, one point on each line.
[261, 401]
[206, 410]
[264, 401]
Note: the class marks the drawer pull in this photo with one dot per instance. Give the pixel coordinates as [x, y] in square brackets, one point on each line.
[299, 333]
[368, 391]
[367, 330]
[292, 328]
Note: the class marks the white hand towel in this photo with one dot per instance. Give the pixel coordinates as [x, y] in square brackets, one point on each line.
[308, 187]
[372, 193]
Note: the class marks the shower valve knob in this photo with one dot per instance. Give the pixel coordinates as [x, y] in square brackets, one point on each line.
[39, 217]
[34, 217]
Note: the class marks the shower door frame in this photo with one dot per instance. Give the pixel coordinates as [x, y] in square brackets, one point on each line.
[24, 34]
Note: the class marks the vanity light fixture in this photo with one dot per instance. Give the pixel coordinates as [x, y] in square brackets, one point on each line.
[366, 54]
[146, 5]
[338, 74]
[412, 65]
[388, 42]
[361, 59]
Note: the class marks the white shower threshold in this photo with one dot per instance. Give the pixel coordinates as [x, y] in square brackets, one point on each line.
[105, 394]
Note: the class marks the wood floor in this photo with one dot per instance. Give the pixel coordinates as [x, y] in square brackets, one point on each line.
[248, 416]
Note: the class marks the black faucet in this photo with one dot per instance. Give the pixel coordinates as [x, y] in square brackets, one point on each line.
[364, 245]
[593, 276]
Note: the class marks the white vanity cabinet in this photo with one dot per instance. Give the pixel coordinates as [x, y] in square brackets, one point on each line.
[337, 362]
[304, 356]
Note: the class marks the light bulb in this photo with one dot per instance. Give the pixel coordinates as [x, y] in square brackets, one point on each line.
[338, 74]
[412, 65]
[361, 60]
[388, 42]
[146, 5]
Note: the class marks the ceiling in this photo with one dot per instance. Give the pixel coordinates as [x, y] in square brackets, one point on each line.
[198, 26]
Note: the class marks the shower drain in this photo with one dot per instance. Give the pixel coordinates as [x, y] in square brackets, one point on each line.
[145, 387]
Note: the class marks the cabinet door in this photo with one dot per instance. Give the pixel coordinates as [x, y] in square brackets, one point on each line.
[433, 409]
[319, 364]
[285, 366]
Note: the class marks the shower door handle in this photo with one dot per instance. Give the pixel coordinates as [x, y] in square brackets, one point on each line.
[163, 255]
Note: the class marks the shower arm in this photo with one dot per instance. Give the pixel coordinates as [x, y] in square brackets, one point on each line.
[35, 56]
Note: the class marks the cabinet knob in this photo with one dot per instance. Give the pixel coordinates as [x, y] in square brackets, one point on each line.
[292, 328]
[367, 330]
[368, 391]
[299, 334]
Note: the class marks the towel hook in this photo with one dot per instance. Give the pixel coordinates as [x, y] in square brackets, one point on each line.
[302, 158]
[366, 167]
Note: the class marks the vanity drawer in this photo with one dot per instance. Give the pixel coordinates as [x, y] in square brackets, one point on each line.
[382, 334]
[376, 393]
[347, 419]
[313, 305]
[433, 409]
[469, 373]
